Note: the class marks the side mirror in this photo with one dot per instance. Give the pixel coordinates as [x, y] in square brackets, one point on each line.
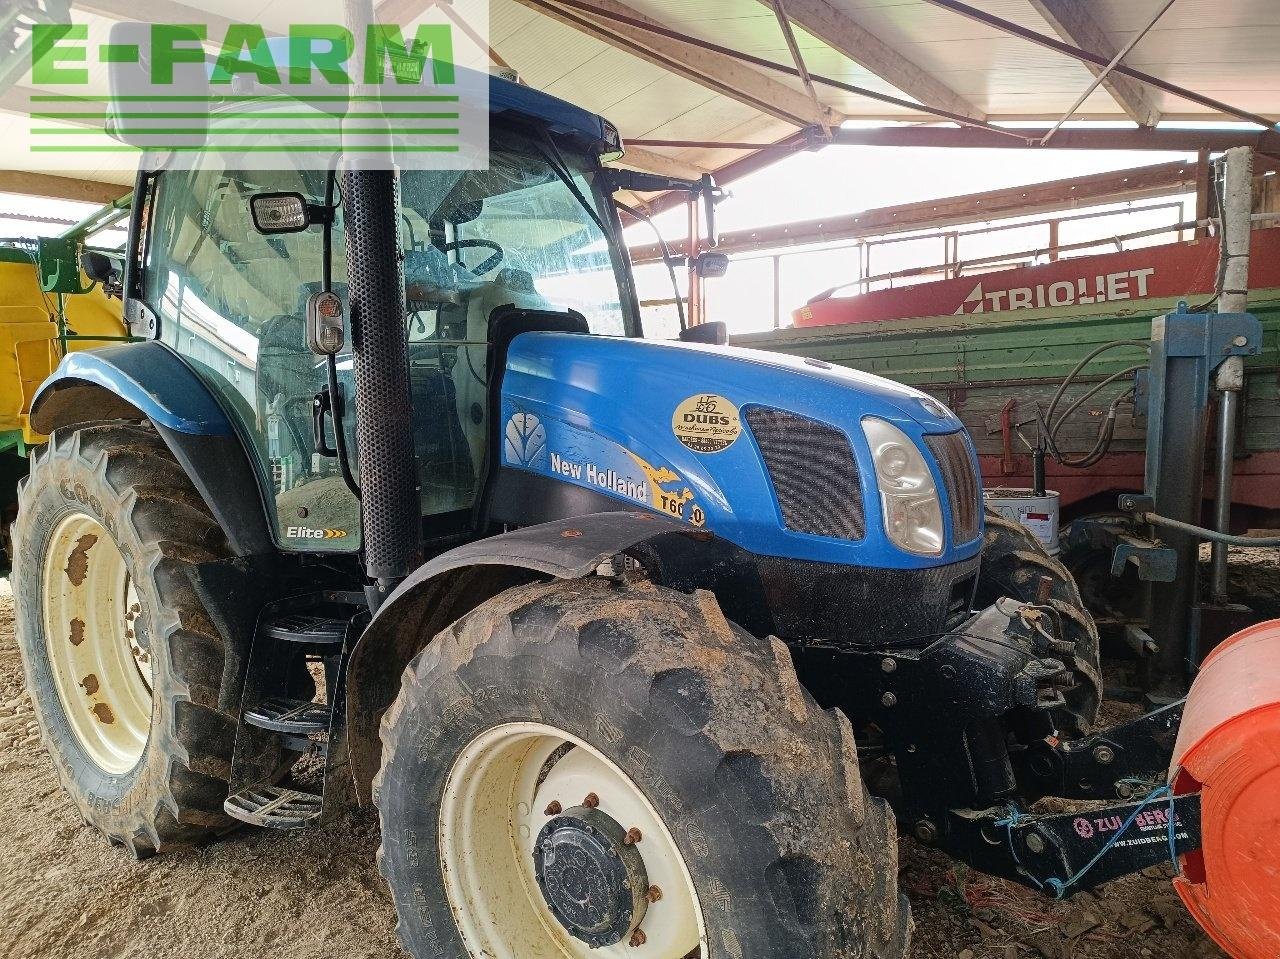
[97, 267]
[130, 84]
[715, 333]
[712, 265]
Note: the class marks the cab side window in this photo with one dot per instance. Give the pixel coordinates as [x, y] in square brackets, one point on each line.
[231, 302]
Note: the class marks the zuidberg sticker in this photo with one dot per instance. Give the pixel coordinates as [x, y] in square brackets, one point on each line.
[706, 423]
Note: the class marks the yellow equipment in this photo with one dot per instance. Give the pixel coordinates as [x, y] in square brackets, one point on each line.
[47, 308]
[36, 329]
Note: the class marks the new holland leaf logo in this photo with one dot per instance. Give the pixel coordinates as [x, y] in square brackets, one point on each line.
[526, 439]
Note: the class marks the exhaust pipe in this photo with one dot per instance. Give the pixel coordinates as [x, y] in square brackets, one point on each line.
[391, 516]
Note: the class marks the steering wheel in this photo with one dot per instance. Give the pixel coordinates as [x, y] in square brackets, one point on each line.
[488, 265]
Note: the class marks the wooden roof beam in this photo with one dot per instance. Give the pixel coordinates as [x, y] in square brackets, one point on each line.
[847, 37]
[60, 187]
[1071, 20]
[650, 161]
[718, 72]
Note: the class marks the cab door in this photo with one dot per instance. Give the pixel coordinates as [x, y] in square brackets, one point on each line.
[231, 302]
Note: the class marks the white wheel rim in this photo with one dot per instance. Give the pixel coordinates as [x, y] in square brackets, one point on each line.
[493, 809]
[92, 619]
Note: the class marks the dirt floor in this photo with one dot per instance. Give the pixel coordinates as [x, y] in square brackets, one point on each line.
[65, 892]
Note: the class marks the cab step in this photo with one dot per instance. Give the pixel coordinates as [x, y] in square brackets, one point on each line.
[308, 629]
[296, 716]
[274, 807]
[279, 711]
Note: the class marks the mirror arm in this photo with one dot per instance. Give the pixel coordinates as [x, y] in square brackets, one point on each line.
[636, 181]
[319, 214]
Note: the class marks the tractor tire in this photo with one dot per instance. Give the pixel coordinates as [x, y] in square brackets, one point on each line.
[524, 728]
[1015, 564]
[122, 662]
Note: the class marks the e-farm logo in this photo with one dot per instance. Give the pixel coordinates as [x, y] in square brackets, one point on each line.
[268, 95]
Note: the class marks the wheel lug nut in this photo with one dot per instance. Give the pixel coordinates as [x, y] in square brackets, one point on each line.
[592, 801]
[654, 894]
[632, 837]
[638, 938]
[554, 809]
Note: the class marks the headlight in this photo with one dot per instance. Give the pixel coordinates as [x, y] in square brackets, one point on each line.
[908, 495]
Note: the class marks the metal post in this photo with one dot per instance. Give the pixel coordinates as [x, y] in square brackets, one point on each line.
[694, 248]
[1175, 465]
[1234, 298]
[1204, 192]
[777, 292]
[1228, 405]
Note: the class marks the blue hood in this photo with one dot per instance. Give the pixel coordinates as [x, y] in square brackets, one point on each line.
[601, 412]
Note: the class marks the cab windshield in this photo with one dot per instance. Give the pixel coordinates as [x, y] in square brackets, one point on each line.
[232, 302]
[515, 234]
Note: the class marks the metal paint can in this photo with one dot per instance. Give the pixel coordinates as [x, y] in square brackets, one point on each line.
[1038, 513]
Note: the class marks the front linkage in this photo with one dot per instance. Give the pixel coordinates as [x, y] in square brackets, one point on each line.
[968, 721]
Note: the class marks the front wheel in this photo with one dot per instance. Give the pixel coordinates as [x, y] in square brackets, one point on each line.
[583, 769]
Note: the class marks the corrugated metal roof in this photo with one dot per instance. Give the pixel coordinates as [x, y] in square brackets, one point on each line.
[655, 87]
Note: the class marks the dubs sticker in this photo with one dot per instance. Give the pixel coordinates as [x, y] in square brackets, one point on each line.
[568, 454]
[706, 423]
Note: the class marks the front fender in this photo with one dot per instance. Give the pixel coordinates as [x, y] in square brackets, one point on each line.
[148, 381]
[451, 585]
[149, 376]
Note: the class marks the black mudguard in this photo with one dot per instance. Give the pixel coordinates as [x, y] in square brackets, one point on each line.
[149, 381]
[453, 584]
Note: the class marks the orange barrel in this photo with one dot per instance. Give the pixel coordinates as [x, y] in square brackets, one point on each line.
[1229, 749]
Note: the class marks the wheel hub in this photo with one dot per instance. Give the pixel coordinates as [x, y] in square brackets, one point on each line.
[593, 880]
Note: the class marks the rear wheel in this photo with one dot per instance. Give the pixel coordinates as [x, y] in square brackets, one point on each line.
[1015, 564]
[574, 768]
[122, 661]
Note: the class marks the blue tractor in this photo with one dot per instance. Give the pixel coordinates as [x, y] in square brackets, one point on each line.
[638, 646]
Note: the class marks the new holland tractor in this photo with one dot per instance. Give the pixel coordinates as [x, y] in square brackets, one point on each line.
[640, 648]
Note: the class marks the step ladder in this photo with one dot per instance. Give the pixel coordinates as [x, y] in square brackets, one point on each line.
[279, 710]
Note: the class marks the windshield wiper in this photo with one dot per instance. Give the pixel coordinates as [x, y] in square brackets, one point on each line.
[555, 159]
[667, 258]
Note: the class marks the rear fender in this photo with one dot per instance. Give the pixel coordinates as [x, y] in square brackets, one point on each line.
[148, 381]
[453, 584]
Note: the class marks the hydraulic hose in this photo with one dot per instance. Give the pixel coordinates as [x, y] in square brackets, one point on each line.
[1201, 532]
[1106, 430]
[1053, 432]
[1062, 389]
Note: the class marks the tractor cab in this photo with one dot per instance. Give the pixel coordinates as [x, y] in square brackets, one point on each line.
[534, 233]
